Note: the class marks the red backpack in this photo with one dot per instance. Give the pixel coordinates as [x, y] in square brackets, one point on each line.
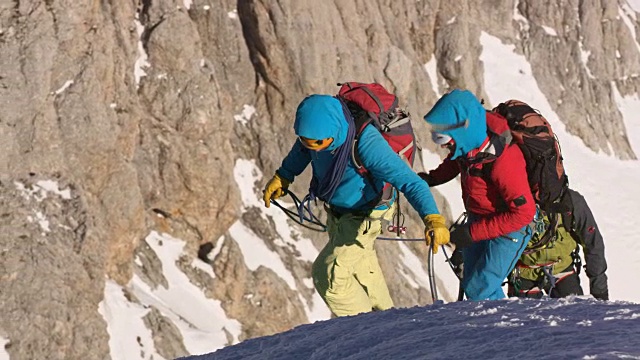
[373, 104]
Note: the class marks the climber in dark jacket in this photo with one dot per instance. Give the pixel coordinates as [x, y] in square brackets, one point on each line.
[346, 273]
[554, 266]
[497, 197]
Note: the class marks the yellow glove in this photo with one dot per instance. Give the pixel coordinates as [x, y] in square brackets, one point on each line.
[435, 231]
[275, 188]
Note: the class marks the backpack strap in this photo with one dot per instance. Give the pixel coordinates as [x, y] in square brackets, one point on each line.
[361, 119]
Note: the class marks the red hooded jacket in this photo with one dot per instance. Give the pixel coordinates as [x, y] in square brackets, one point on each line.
[494, 183]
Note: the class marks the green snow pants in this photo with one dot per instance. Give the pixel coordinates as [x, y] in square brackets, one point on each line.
[346, 273]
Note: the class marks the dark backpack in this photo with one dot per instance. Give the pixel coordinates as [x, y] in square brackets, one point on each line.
[541, 150]
[371, 103]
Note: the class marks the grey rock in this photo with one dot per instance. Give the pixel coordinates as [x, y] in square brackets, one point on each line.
[136, 108]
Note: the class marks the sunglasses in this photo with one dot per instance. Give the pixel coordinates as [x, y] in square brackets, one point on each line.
[313, 144]
[440, 139]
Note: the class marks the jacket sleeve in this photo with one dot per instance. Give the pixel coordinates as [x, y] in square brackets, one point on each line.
[295, 162]
[445, 172]
[384, 164]
[509, 177]
[588, 235]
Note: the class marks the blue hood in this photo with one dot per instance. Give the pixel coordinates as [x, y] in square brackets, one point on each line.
[449, 114]
[320, 117]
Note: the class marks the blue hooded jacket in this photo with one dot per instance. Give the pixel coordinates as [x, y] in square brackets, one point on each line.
[321, 117]
[460, 115]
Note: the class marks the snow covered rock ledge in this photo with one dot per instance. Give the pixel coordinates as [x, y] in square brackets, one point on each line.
[571, 328]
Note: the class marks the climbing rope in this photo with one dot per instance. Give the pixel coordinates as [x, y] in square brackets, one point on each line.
[305, 214]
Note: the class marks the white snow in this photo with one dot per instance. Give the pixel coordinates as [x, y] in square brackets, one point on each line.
[197, 316]
[42, 221]
[517, 16]
[129, 338]
[629, 106]
[142, 61]
[634, 4]
[202, 321]
[431, 67]
[503, 329]
[584, 58]
[64, 87]
[247, 112]
[4, 355]
[54, 187]
[549, 30]
[233, 14]
[247, 175]
[39, 191]
[256, 253]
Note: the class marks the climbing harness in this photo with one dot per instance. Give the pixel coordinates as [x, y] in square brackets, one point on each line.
[548, 232]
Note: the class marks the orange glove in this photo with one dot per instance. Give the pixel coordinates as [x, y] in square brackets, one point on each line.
[435, 231]
[275, 188]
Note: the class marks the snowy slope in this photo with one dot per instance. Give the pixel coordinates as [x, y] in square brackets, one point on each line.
[572, 328]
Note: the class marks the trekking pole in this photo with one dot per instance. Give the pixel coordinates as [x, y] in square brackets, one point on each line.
[430, 267]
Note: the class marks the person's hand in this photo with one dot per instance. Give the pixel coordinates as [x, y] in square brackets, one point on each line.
[456, 259]
[435, 232]
[601, 295]
[275, 188]
[461, 236]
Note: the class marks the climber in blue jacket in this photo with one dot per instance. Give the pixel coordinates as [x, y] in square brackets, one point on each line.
[346, 273]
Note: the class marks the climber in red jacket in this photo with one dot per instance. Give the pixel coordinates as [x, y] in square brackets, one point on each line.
[495, 190]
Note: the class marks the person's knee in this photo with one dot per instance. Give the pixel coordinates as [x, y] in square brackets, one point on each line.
[320, 275]
[566, 286]
[477, 289]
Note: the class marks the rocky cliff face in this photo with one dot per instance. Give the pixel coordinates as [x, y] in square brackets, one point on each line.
[138, 111]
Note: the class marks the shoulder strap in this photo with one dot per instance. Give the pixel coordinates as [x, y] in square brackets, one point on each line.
[360, 119]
